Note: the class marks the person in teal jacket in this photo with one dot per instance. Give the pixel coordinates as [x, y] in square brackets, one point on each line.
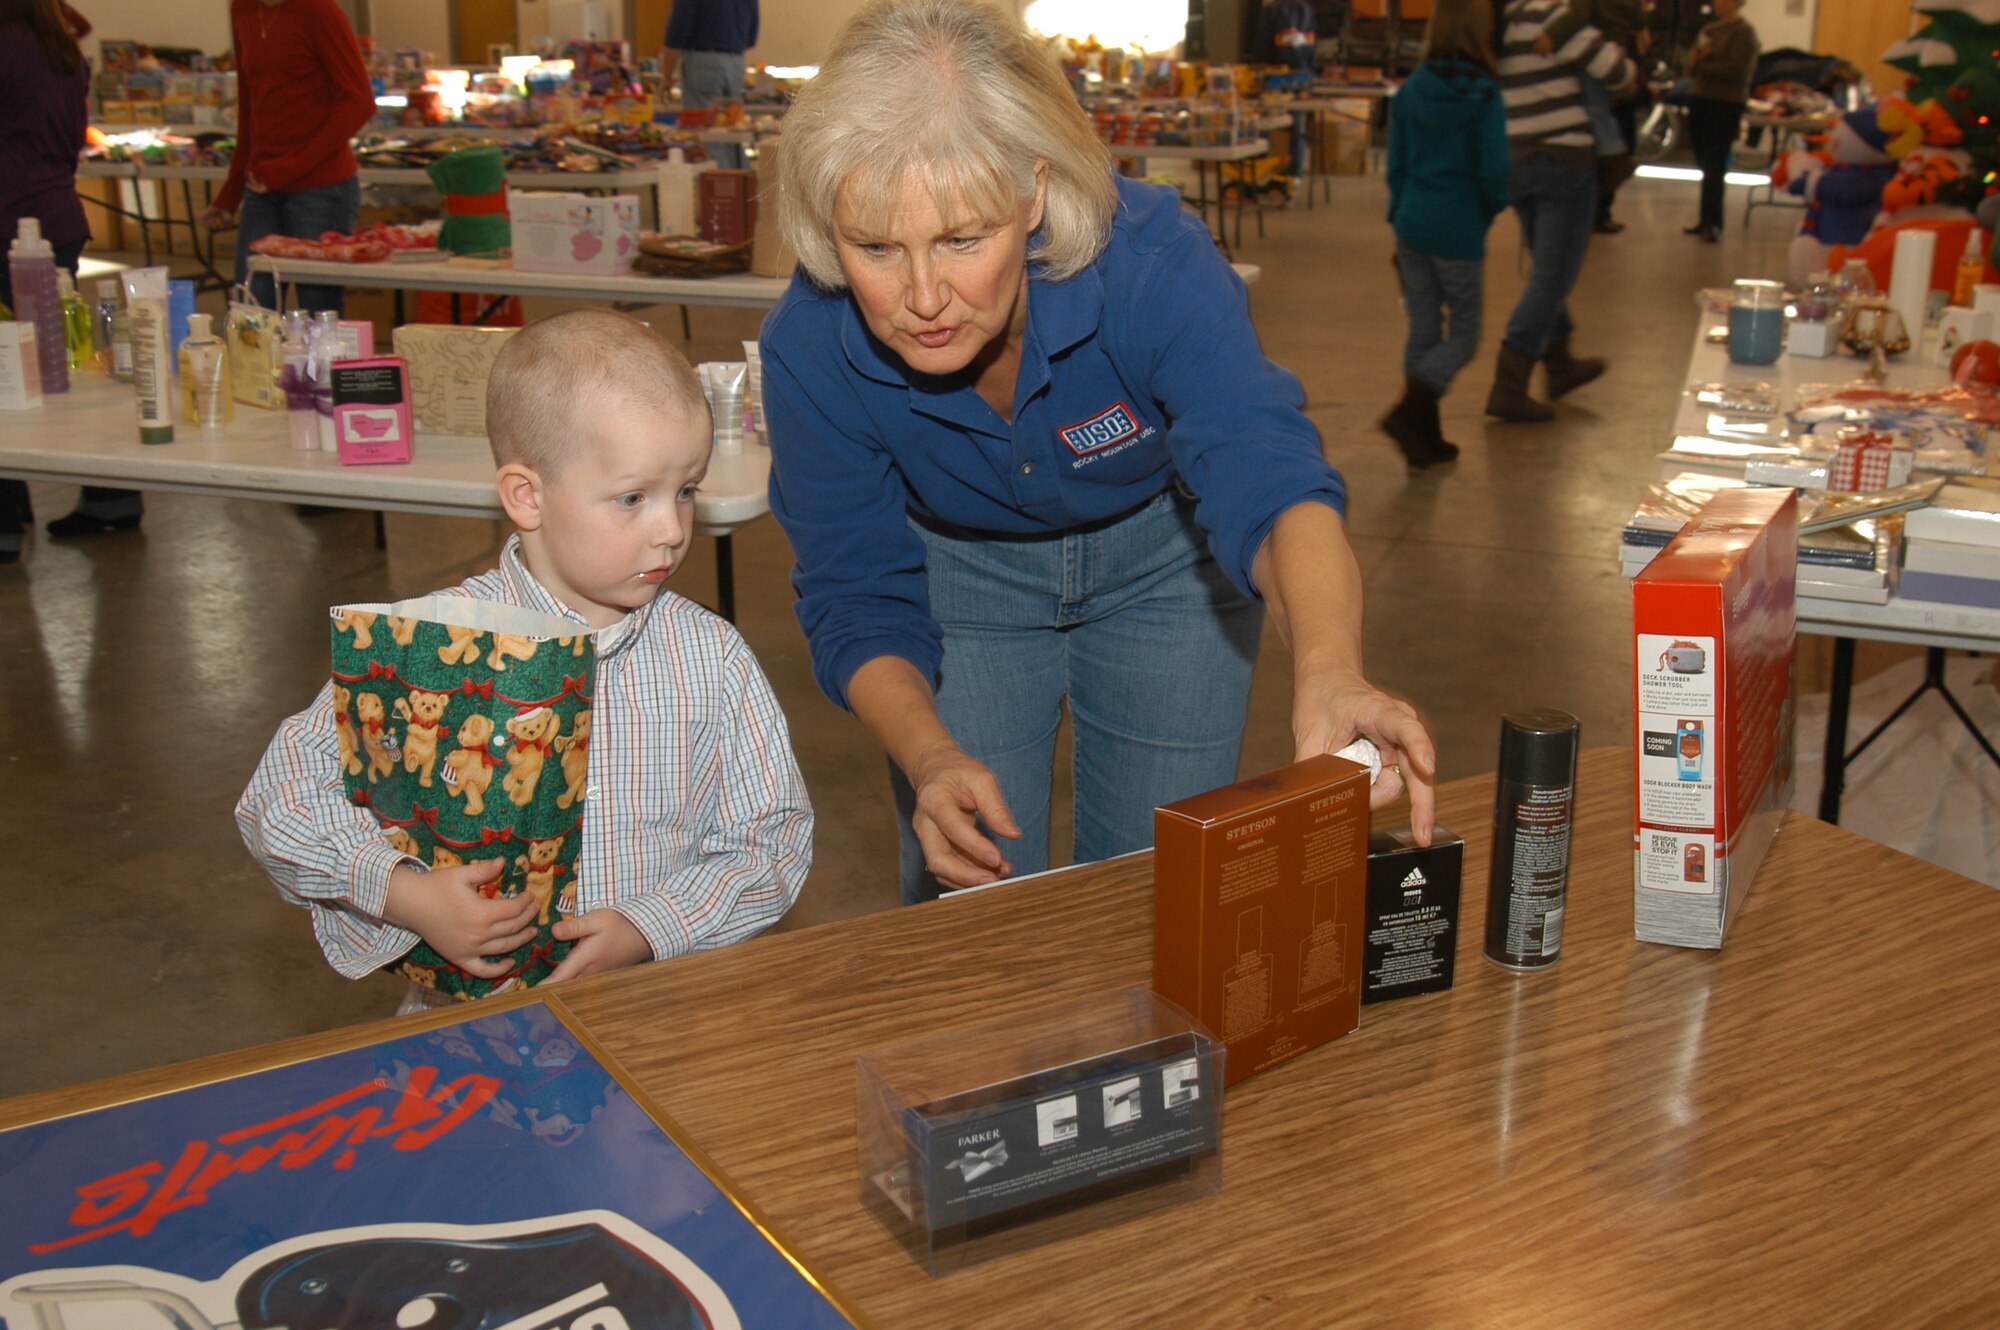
[1448, 177]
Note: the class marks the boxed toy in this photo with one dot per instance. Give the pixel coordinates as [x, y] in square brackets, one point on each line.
[371, 410]
[449, 366]
[1260, 893]
[574, 233]
[1713, 623]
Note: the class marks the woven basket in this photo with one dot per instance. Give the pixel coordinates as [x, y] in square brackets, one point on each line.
[689, 256]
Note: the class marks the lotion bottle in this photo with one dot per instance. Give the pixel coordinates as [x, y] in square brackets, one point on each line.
[206, 396]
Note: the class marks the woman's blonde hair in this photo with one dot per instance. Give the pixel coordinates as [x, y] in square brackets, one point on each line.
[959, 97]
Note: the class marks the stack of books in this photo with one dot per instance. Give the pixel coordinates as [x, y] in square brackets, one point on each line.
[1952, 548]
[1847, 542]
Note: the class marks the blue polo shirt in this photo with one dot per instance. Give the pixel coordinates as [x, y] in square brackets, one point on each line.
[1141, 368]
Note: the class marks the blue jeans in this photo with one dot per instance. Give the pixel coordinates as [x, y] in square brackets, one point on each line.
[1557, 205]
[305, 214]
[1604, 127]
[1133, 624]
[708, 77]
[1442, 298]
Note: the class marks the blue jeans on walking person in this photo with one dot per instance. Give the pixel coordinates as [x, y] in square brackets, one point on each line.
[302, 213]
[708, 77]
[1442, 299]
[1557, 205]
[1133, 624]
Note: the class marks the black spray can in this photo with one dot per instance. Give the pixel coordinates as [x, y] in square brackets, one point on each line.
[1532, 807]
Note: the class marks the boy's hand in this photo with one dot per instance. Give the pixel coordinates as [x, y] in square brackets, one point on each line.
[1545, 45]
[605, 940]
[446, 908]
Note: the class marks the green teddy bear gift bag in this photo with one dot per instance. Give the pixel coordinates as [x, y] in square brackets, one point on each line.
[464, 728]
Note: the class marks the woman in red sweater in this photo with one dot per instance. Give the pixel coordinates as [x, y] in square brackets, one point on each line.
[301, 94]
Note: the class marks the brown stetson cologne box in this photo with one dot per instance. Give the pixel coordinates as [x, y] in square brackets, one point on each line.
[1259, 894]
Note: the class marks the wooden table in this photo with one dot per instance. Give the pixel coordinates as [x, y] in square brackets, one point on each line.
[90, 436]
[1799, 1129]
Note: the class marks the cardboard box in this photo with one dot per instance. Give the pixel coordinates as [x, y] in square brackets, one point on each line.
[574, 233]
[1875, 460]
[1713, 624]
[1960, 324]
[1259, 900]
[371, 411]
[449, 366]
[20, 368]
[1410, 945]
[726, 206]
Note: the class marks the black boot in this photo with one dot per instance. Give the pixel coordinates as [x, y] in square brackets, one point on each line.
[1509, 399]
[101, 509]
[1413, 424]
[1567, 372]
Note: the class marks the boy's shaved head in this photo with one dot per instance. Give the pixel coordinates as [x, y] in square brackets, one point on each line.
[550, 376]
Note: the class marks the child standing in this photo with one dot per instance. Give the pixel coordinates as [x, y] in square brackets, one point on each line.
[1448, 177]
[698, 832]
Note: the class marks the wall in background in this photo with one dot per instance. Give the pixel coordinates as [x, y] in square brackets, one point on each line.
[1861, 30]
[1784, 22]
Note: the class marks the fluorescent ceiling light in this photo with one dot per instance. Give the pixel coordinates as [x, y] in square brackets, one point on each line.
[1690, 173]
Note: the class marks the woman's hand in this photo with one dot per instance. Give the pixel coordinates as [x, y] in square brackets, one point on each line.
[1330, 713]
[954, 795]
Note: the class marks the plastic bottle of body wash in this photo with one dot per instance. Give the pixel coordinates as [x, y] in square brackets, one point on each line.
[77, 340]
[297, 384]
[206, 396]
[325, 343]
[31, 265]
[103, 315]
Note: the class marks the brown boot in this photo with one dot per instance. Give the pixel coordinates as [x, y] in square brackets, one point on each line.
[1567, 372]
[1509, 399]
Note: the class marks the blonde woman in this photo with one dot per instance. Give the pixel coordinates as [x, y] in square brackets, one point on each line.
[1029, 455]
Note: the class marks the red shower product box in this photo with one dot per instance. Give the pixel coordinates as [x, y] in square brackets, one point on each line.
[1713, 625]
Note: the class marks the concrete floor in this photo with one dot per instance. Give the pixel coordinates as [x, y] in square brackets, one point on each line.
[146, 671]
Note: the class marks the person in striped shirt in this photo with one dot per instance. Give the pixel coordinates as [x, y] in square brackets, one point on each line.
[698, 831]
[1554, 191]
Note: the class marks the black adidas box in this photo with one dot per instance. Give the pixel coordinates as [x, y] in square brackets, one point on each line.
[1412, 937]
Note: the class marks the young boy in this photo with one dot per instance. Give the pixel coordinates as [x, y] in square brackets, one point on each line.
[698, 832]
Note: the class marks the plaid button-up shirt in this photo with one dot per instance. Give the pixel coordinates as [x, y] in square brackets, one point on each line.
[697, 828]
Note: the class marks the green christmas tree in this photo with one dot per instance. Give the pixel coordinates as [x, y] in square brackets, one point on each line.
[1954, 59]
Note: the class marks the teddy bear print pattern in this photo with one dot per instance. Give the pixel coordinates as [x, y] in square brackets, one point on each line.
[466, 746]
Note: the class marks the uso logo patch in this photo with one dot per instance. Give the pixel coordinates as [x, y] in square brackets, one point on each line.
[1112, 425]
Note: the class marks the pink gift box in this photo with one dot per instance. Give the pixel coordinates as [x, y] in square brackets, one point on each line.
[371, 410]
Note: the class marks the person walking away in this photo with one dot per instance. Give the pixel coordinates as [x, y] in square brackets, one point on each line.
[302, 93]
[1287, 34]
[706, 40]
[1720, 64]
[1448, 174]
[1614, 121]
[1554, 191]
[44, 107]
